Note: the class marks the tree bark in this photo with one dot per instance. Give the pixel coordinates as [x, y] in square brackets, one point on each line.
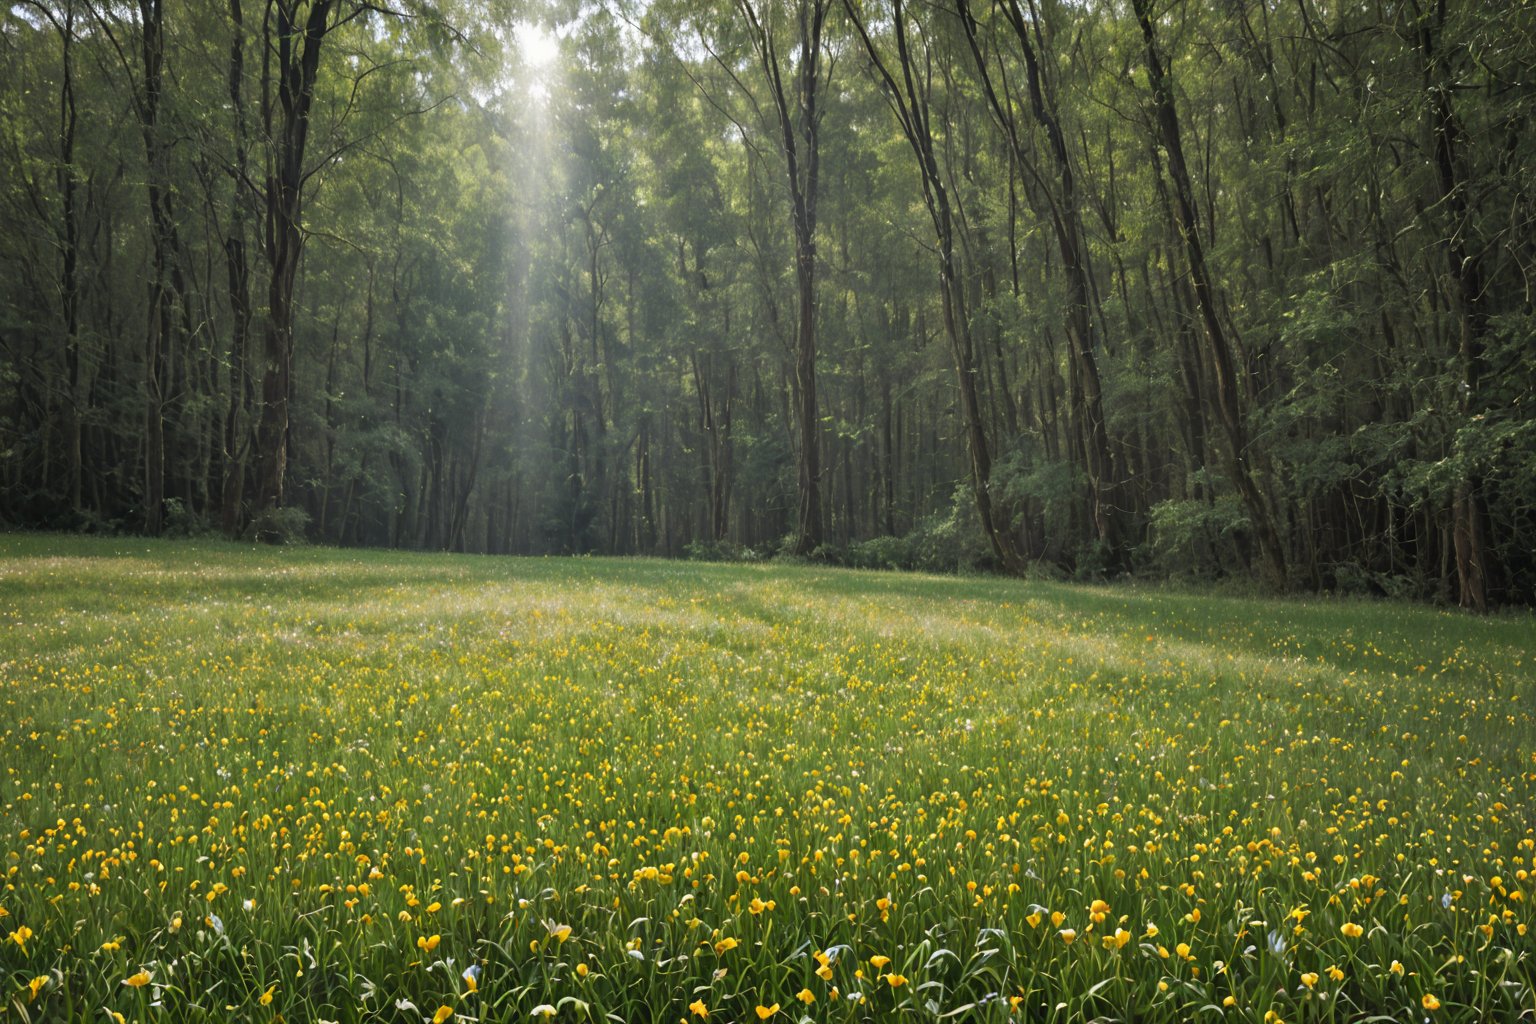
[158, 319]
[1228, 388]
[296, 44]
[799, 132]
[1064, 212]
[69, 257]
[1466, 274]
[236, 431]
[911, 102]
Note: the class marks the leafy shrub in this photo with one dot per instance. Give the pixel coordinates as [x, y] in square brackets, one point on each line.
[720, 551]
[881, 553]
[1186, 537]
[287, 525]
[181, 521]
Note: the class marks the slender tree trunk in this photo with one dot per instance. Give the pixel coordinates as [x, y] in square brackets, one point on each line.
[467, 487]
[1064, 212]
[1464, 268]
[1225, 370]
[158, 320]
[296, 47]
[715, 420]
[69, 245]
[911, 101]
[236, 430]
[801, 146]
[647, 525]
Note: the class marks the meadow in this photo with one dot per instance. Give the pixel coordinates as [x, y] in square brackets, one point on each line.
[304, 785]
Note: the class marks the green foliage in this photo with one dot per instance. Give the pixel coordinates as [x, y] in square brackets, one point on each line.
[883, 553]
[1188, 538]
[723, 551]
[951, 542]
[287, 525]
[182, 522]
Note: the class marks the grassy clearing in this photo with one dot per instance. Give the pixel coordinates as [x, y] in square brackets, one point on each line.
[311, 785]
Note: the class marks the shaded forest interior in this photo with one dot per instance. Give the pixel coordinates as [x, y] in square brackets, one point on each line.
[1102, 287]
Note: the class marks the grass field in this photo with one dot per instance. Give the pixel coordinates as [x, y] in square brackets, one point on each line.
[315, 785]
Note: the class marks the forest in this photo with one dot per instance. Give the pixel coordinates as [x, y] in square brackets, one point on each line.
[1085, 288]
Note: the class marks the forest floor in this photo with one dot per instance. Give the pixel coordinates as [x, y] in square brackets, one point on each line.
[307, 784]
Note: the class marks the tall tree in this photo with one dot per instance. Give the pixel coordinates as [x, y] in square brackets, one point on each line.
[1064, 213]
[1224, 364]
[799, 123]
[294, 33]
[910, 99]
[139, 43]
[237, 432]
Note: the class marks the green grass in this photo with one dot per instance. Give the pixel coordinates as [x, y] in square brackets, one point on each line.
[377, 771]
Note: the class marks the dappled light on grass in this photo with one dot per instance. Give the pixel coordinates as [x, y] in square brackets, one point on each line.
[242, 784]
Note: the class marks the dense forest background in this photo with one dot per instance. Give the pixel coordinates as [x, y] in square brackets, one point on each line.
[1091, 286]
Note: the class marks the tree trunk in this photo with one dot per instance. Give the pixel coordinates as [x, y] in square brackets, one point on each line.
[69, 245]
[1465, 270]
[1228, 393]
[1064, 213]
[286, 122]
[158, 321]
[911, 101]
[802, 160]
[236, 431]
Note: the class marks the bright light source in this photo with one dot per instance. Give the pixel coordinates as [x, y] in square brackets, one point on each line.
[538, 46]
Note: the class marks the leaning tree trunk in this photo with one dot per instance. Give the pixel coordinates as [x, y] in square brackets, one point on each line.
[1223, 364]
[1064, 214]
[910, 101]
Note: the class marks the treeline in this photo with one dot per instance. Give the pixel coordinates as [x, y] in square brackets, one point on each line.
[1099, 287]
